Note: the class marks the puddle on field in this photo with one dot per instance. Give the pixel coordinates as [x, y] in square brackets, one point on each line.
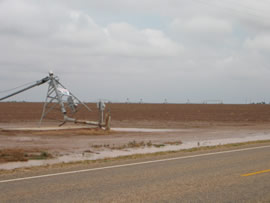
[78, 127]
[147, 130]
[107, 153]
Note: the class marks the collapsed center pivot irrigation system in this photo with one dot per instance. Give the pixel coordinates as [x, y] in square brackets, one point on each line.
[57, 94]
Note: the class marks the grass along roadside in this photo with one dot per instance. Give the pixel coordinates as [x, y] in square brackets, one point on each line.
[135, 144]
[144, 157]
[195, 149]
[12, 155]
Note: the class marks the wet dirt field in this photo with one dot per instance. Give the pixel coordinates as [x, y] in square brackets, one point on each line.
[136, 128]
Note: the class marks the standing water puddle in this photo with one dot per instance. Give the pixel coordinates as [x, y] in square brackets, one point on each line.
[147, 130]
[107, 153]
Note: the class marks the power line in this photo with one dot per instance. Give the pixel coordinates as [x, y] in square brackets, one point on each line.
[8, 90]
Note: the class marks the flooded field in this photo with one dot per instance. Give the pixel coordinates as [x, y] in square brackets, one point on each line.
[136, 129]
[119, 144]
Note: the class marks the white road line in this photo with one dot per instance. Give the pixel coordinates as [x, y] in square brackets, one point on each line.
[131, 164]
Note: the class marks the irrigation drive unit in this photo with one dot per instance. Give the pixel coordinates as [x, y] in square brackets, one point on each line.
[57, 94]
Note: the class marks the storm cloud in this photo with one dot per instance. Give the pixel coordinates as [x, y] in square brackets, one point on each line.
[179, 50]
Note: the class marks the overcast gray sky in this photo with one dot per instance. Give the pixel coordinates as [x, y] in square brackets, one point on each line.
[180, 50]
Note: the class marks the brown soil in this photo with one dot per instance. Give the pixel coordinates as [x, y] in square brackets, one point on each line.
[60, 132]
[137, 113]
[198, 122]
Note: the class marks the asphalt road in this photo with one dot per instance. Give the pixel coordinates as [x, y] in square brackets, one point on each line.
[234, 176]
